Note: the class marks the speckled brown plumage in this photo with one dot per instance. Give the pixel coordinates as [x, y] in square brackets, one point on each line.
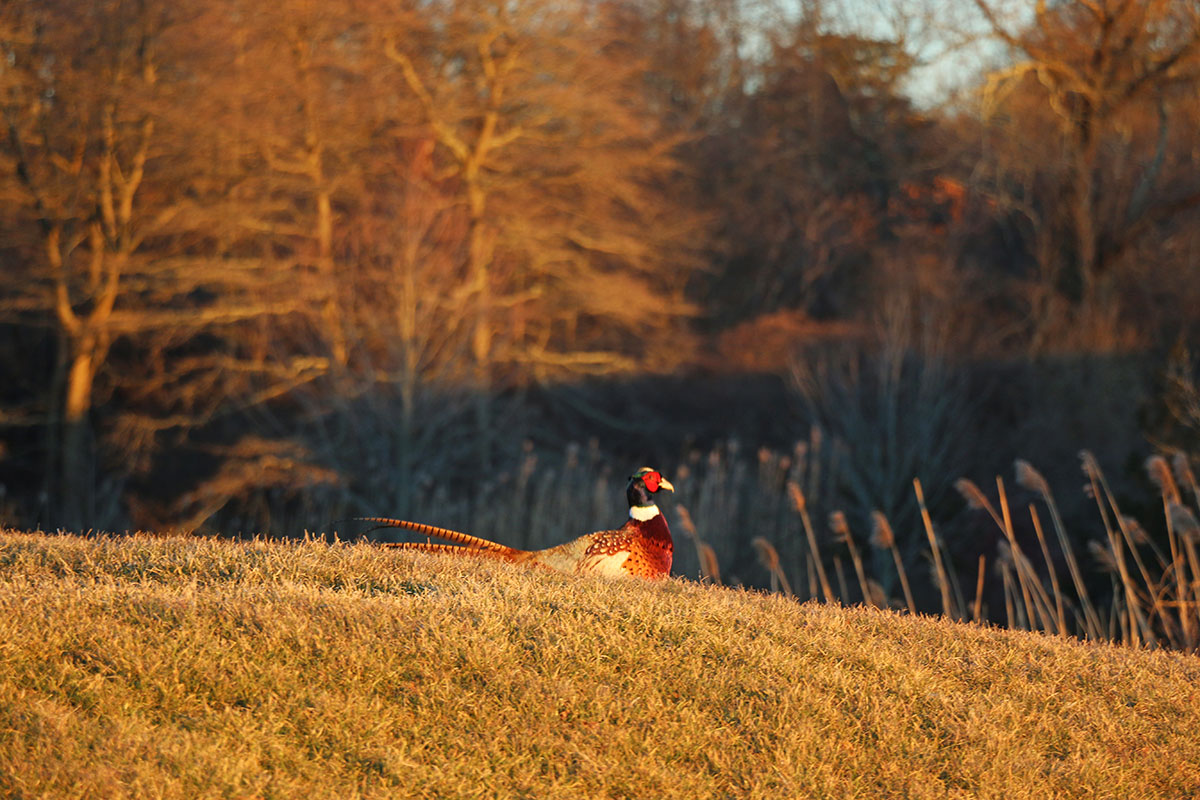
[640, 548]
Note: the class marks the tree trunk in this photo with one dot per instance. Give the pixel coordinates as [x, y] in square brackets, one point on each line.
[480, 256]
[329, 310]
[75, 484]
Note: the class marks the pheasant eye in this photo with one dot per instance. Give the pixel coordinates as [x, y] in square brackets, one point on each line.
[652, 479]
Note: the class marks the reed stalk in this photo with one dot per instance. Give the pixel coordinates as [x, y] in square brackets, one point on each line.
[1031, 479]
[709, 568]
[768, 556]
[1033, 584]
[1018, 557]
[1009, 609]
[1185, 595]
[800, 503]
[1132, 632]
[1179, 572]
[942, 577]
[1131, 533]
[977, 608]
[883, 537]
[841, 530]
[1032, 592]
[1189, 533]
[843, 591]
[1059, 603]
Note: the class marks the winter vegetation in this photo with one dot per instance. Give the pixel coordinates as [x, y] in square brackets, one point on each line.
[268, 266]
[196, 667]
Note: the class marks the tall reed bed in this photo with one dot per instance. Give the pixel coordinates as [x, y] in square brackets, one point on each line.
[774, 520]
[1154, 592]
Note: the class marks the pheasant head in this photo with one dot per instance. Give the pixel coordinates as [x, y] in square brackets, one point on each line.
[643, 486]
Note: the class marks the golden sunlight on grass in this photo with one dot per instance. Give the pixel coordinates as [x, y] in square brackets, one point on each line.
[174, 667]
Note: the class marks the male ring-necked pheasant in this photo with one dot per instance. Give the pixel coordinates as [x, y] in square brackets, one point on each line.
[641, 548]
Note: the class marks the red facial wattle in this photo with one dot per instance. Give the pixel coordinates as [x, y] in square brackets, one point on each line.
[652, 480]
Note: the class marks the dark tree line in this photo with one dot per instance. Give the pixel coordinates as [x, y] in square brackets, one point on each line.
[316, 253]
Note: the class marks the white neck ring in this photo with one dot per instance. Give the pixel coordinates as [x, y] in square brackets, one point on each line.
[643, 513]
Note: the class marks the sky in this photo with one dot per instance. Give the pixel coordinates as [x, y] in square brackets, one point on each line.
[950, 37]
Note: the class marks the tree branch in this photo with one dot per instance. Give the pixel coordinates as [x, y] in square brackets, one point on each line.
[445, 134]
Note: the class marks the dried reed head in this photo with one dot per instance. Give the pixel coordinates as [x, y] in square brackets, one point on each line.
[881, 531]
[528, 463]
[1091, 467]
[1031, 479]
[1184, 521]
[708, 562]
[1137, 534]
[1160, 474]
[797, 495]
[878, 597]
[685, 520]
[1104, 555]
[974, 496]
[768, 556]
[1183, 469]
[1004, 553]
[1001, 568]
[839, 526]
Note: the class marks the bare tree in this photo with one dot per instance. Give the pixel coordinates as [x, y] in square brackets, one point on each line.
[116, 250]
[542, 130]
[80, 124]
[1101, 82]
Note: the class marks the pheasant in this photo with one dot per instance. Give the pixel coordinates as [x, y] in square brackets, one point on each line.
[641, 548]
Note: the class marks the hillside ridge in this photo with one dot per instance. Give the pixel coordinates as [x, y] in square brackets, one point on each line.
[180, 667]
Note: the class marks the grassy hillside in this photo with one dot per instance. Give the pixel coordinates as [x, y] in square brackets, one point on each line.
[197, 668]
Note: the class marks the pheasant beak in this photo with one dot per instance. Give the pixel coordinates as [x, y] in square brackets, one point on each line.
[666, 484]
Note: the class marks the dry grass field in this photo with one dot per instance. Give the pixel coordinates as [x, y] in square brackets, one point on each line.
[184, 668]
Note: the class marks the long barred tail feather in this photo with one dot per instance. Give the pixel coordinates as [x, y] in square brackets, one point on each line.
[458, 538]
[452, 549]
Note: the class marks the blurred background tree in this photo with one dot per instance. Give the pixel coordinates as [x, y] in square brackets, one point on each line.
[1087, 140]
